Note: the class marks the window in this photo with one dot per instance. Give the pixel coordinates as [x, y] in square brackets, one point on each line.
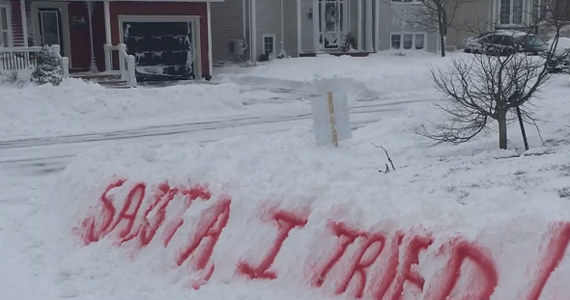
[268, 44]
[419, 41]
[396, 38]
[408, 41]
[407, 0]
[4, 29]
[511, 12]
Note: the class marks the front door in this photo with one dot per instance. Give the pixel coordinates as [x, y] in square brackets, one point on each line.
[51, 32]
[332, 23]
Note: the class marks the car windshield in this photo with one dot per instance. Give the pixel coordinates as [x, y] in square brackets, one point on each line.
[535, 42]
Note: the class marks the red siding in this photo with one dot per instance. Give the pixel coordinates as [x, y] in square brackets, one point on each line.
[80, 36]
[164, 8]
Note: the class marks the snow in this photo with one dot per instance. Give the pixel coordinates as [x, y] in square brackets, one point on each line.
[261, 151]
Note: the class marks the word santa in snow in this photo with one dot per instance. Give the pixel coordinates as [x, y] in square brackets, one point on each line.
[366, 264]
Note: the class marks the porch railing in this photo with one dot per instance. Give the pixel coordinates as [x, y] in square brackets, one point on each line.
[21, 58]
[126, 63]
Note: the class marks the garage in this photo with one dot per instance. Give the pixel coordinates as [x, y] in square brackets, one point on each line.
[165, 47]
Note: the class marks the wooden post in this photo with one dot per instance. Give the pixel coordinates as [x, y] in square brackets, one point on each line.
[332, 118]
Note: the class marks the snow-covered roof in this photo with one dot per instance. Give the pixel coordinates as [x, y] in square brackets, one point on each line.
[513, 33]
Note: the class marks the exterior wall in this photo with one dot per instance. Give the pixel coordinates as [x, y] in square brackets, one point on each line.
[471, 18]
[268, 20]
[164, 8]
[227, 24]
[80, 35]
[307, 34]
[400, 17]
[290, 27]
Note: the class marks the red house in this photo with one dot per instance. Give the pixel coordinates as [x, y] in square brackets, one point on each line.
[167, 39]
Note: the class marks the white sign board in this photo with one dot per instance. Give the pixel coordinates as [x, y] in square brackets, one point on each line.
[330, 118]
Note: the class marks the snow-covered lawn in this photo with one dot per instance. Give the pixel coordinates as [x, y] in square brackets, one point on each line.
[505, 202]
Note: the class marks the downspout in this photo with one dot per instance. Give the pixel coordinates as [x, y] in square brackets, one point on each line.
[244, 14]
[377, 26]
[360, 33]
[282, 32]
[210, 55]
[316, 32]
[299, 32]
[369, 45]
[253, 32]
[24, 22]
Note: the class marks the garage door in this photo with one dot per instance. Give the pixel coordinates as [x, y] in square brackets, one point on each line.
[163, 50]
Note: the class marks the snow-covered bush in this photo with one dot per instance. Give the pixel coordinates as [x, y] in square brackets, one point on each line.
[48, 69]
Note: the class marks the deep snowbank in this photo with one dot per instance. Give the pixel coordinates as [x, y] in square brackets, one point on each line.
[79, 107]
[274, 217]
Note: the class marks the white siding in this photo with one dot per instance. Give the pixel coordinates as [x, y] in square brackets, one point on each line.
[268, 21]
[401, 17]
[290, 30]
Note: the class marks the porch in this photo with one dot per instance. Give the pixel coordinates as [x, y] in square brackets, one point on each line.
[130, 40]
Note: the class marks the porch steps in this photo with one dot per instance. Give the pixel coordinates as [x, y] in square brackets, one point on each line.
[104, 79]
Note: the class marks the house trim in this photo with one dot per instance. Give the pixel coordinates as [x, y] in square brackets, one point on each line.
[171, 18]
[62, 7]
[316, 31]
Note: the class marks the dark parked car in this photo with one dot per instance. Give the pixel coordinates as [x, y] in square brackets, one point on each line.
[505, 42]
[561, 59]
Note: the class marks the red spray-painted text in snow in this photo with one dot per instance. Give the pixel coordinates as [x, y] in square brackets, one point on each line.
[370, 264]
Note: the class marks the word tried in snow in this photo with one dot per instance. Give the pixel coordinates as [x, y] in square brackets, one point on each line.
[374, 265]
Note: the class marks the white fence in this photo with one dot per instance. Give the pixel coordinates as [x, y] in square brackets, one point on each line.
[21, 58]
[126, 63]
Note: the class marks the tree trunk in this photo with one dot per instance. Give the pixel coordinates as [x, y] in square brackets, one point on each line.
[502, 120]
[523, 131]
[440, 16]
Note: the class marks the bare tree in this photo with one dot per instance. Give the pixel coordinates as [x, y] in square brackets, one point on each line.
[487, 88]
[438, 16]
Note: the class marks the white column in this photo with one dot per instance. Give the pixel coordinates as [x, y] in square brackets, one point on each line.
[377, 26]
[369, 45]
[316, 34]
[107, 22]
[299, 32]
[360, 33]
[210, 55]
[93, 66]
[24, 22]
[108, 42]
